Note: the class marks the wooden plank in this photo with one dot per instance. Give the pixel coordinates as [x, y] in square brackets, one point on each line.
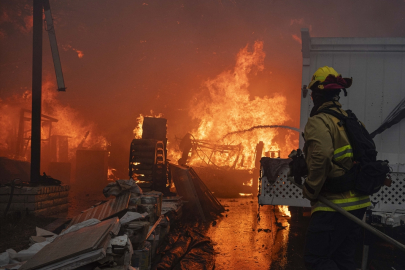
[185, 187]
[71, 244]
[213, 200]
[105, 210]
[56, 224]
[153, 228]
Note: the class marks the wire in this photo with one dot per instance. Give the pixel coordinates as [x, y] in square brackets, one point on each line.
[11, 196]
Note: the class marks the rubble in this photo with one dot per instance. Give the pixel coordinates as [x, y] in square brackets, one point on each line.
[188, 249]
[118, 187]
[131, 216]
[121, 233]
[80, 225]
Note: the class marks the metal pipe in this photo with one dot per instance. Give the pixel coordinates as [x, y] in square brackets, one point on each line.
[54, 46]
[365, 257]
[359, 222]
[36, 92]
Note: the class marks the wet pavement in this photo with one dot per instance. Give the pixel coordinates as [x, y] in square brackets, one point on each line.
[274, 242]
[241, 242]
[277, 241]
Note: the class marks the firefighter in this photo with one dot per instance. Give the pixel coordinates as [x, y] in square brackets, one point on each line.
[331, 238]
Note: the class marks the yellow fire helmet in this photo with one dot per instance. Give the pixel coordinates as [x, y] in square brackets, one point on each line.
[327, 78]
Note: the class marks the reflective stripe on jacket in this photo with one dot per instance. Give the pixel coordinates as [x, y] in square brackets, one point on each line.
[326, 140]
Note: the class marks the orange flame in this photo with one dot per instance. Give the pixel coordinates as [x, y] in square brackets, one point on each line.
[138, 129]
[284, 210]
[80, 53]
[229, 107]
[69, 123]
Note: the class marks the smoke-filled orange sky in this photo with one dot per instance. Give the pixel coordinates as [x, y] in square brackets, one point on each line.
[127, 57]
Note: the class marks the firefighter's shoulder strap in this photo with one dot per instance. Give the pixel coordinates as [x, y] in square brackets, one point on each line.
[368, 174]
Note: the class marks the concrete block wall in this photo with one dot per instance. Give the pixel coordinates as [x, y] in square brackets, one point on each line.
[42, 200]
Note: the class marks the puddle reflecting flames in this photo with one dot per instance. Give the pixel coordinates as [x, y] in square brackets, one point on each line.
[242, 243]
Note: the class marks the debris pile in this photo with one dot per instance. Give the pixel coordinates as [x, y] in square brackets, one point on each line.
[120, 233]
[126, 231]
[186, 249]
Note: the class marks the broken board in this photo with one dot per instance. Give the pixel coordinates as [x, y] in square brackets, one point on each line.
[104, 210]
[185, 186]
[86, 240]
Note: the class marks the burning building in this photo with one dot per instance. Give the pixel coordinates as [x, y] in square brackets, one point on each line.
[63, 133]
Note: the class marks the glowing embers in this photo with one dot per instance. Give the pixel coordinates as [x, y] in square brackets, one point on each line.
[147, 162]
[249, 183]
[110, 173]
[245, 194]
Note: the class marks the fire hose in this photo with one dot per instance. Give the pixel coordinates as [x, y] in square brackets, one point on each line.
[358, 221]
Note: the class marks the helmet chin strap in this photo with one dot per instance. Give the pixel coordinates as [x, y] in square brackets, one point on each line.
[344, 91]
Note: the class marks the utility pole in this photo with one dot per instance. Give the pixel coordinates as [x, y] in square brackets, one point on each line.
[36, 92]
[38, 7]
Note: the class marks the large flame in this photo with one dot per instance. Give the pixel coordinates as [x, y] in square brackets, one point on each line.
[228, 107]
[70, 124]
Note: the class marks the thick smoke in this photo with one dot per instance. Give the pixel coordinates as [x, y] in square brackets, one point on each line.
[124, 58]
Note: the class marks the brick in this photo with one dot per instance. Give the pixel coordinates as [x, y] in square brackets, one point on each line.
[43, 204]
[32, 206]
[33, 190]
[19, 198]
[60, 201]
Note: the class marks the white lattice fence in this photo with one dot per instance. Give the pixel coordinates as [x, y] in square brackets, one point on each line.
[391, 198]
[282, 192]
